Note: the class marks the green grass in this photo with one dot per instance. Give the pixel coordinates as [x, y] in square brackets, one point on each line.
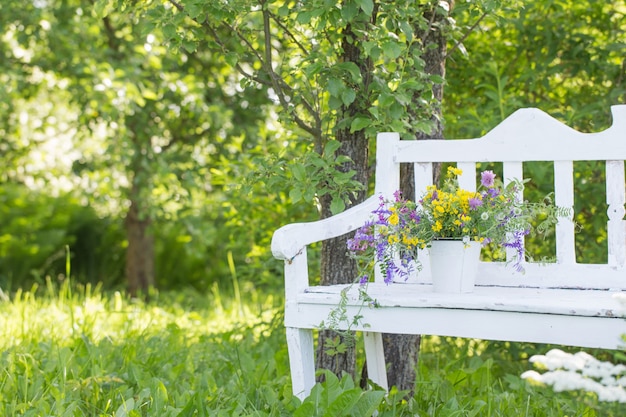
[84, 352]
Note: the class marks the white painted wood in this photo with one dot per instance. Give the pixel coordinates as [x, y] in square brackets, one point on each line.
[512, 170]
[467, 180]
[526, 135]
[564, 197]
[387, 164]
[562, 303]
[563, 329]
[301, 360]
[423, 177]
[575, 302]
[289, 240]
[375, 353]
[616, 227]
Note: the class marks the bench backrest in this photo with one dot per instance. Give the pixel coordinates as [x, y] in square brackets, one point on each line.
[528, 135]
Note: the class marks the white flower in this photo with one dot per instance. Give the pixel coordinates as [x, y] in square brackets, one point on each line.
[567, 372]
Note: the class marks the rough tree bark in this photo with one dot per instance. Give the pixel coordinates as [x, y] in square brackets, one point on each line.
[336, 266]
[402, 351]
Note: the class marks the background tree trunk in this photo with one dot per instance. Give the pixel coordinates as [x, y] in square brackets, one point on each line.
[140, 251]
[139, 266]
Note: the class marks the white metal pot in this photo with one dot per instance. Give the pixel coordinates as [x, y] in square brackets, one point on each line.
[453, 265]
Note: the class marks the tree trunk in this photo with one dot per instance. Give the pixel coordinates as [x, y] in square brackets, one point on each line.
[402, 351]
[140, 251]
[336, 266]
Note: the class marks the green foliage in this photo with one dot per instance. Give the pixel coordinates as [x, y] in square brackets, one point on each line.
[97, 354]
[35, 231]
[561, 56]
[78, 351]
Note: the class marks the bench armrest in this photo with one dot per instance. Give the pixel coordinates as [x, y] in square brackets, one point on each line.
[289, 240]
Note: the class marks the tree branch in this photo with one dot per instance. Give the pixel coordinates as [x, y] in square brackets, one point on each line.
[471, 29]
[278, 84]
[289, 34]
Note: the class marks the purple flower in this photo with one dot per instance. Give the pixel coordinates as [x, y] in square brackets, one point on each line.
[474, 203]
[363, 238]
[389, 274]
[494, 192]
[487, 178]
[517, 243]
[364, 279]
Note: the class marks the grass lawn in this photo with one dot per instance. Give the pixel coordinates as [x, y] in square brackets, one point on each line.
[86, 353]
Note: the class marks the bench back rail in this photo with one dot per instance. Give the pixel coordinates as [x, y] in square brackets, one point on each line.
[528, 135]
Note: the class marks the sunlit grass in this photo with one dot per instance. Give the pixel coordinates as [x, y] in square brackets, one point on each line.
[62, 315]
[69, 351]
[82, 352]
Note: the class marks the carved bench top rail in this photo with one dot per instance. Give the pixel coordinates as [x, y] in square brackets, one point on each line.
[526, 135]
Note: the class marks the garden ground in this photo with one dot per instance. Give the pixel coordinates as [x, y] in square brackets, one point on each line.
[84, 352]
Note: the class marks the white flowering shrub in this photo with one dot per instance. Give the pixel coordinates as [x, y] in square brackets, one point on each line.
[581, 371]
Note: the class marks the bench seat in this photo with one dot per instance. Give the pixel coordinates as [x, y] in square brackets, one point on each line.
[537, 315]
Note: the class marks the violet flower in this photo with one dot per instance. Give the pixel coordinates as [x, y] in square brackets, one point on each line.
[487, 178]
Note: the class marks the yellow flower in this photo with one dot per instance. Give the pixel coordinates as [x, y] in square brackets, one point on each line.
[410, 241]
[452, 171]
[393, 219]
[437, 226]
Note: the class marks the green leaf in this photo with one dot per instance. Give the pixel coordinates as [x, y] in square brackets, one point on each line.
[359, 123]
[349, 11]
[348, 97]
[337, 205]
[392, 49]
[351, 68]
[331, 147]
[295, 194]
[102, 8]
[367, 6]
[190, 45]
[344, 403]
[299, 172]
[368, 403]
[305, 410]
[335, 86]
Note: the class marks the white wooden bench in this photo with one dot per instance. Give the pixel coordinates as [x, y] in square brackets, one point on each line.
[565, 302]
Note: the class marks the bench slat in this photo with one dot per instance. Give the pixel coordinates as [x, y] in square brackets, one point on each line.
[616, 227]
[513, 170]
[564, 197]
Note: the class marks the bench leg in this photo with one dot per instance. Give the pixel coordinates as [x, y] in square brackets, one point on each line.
[301, 360]
[375, 354]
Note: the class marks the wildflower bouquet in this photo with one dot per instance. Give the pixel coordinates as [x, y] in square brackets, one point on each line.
[494, 214]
